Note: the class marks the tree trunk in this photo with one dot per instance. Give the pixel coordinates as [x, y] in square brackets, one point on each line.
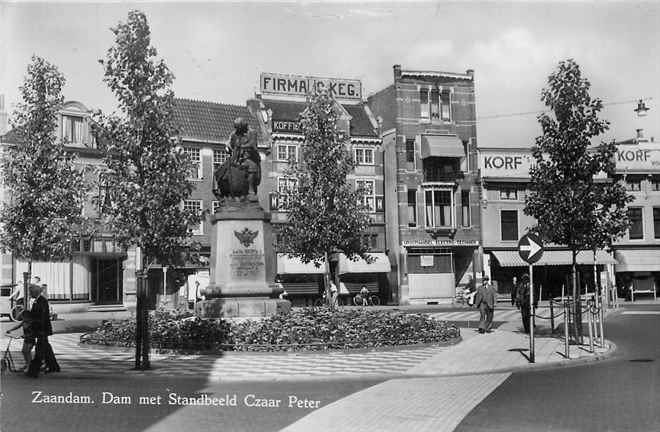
[326, 280]
[26, 285]
[577, 320]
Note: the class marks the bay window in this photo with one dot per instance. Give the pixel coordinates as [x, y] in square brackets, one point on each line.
[439, 207]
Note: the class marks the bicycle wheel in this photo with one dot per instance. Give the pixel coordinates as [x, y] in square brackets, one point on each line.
[15, 313]
[375, 301]
[357, 300]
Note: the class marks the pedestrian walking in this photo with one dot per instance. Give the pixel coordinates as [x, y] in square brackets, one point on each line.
[522, 301]
[485, 301]
[334, 301]
[28, 337]
[42, 329]
[514, 290]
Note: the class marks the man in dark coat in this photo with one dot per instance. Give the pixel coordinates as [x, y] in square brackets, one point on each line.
[522, 300]
[485, 301]
[42, 329]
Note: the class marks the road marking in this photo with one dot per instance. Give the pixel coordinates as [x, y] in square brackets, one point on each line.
[640, 313]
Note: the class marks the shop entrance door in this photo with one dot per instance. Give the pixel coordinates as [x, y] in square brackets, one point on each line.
[106, 281]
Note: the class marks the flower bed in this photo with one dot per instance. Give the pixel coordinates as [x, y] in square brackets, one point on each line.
[304, 329]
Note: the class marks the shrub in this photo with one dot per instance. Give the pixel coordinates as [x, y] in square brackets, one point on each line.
[304, 329]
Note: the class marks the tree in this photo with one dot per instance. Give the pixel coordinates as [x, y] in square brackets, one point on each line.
[147, 171]
[571, 205]
[325, 215]
[46, 189]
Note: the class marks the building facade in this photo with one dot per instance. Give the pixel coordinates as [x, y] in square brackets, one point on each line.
[428, 126]
[638, 253]
[505, 184]
[277, 107]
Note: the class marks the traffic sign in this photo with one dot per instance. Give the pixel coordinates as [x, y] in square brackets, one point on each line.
[530, 248]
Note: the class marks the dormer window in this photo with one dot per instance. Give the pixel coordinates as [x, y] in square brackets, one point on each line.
[73, 130]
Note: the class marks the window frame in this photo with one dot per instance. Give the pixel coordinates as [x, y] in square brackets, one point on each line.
[367, 200]
[199, 230]
[505, 193]
[217, 163]
[641, 223]
[465, 206]
[83, 130]
[286, 145]
[517, 228]
[410, 150]
[452, 207]
[412, 205]
[425, 108]
[364, 151]
[283, 196]
[191, 150]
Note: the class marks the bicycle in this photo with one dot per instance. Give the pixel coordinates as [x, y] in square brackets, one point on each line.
[7, 362]
[372, 300]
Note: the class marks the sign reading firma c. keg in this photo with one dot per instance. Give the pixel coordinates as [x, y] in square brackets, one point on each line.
[298, 85]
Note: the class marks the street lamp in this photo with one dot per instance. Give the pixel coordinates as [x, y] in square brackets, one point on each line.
[641, 108]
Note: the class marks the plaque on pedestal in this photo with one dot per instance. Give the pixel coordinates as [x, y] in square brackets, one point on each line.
[242, 265]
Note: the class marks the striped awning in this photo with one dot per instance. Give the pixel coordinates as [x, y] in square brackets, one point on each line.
[553, 258]
[637, 260]
[380, 265]
[291, 265]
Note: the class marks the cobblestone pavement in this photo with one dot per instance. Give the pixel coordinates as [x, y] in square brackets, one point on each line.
[76, 359]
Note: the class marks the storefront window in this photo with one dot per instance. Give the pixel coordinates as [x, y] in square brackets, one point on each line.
[439, 208]
[636, 230]
[509, 224]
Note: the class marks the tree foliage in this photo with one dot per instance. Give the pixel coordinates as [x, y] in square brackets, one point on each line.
[147, 176]
[46, 189]
[325, 215]
[571, 198]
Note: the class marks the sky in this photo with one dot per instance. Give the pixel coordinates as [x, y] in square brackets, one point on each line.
[217, 50]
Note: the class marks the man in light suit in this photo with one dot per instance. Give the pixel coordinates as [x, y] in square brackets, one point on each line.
[485, 301]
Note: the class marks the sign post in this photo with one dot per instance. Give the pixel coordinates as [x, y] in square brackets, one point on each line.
[530, 249]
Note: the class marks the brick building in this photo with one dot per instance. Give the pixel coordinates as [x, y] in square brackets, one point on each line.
[282, 98]
[428, 126]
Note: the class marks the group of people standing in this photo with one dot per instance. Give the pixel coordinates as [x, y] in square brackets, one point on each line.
[485, 299]
[36, 329]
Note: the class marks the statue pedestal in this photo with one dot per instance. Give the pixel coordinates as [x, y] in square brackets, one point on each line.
[242, 265]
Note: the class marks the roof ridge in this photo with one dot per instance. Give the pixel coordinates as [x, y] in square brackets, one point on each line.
[209, 102]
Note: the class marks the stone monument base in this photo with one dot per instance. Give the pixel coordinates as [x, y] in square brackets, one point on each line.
[243, 307]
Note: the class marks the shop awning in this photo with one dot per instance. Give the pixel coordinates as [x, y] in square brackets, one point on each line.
[442, 146]
[380, 265]
[553, 258]
[292, 265]
[637, 260]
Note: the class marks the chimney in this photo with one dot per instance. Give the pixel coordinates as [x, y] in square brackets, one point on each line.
[397, 72]
[640, 133]
[470, 72]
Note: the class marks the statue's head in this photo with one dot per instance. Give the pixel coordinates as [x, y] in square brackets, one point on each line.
[240, 125]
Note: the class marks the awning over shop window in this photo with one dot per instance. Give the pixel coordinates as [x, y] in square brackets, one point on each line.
[442, 146]
[553, 258]
[380, 265]
[292, 265]
[637, 260]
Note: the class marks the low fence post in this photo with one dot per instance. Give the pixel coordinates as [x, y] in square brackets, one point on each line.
[566, 344]
[552, 317]
[590, 323]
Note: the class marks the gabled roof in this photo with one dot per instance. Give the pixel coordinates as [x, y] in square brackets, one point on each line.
[11, 137]
[290, 110]
[210, 121]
